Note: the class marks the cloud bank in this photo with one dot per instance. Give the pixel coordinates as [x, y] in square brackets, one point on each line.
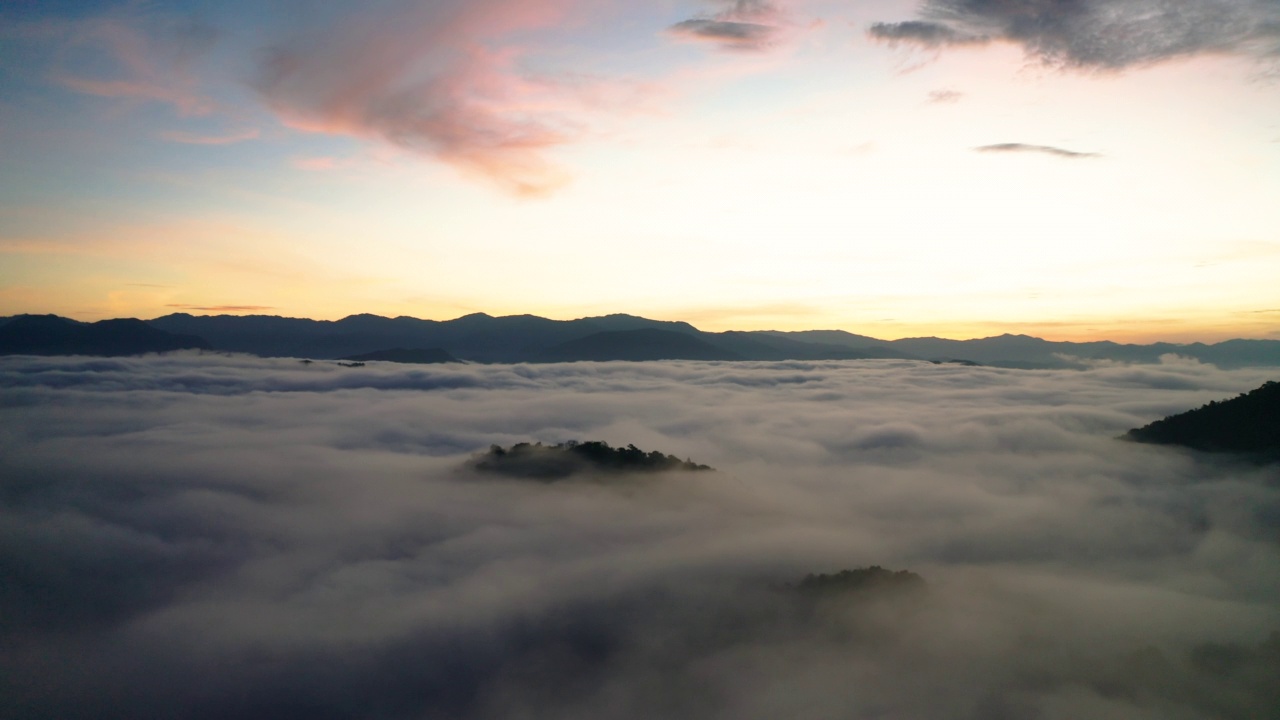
[1098, 34]
[218, 536]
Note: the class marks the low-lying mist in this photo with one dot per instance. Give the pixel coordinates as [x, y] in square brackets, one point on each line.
[207, 536]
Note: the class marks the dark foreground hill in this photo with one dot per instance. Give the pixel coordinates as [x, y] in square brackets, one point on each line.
[53, 335]
[1248, 423]
[554, 462]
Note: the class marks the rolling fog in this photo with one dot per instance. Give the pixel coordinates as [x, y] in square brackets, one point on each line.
[209, 536]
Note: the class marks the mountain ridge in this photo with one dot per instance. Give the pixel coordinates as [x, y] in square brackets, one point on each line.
[480, 337]
[54, 335]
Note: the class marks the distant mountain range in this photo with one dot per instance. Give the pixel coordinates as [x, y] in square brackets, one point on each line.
[515, 338]
[528, 338]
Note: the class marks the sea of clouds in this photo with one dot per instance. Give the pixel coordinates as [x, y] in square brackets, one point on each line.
[212, 536]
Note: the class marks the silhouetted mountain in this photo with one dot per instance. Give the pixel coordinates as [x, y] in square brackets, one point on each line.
[770, 345]
[523, 338]
[53, 335]
[415, 356]
[748, 345]
[622, 321]
[1025, 351]
[528, 338]
[518, 338]
[1008, 350]
[553, 462]
[828, 337]
[1238, 353]
[1248, 423]
[478, 337]
[637, 345]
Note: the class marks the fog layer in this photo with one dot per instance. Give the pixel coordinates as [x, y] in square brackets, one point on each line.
[210, 536]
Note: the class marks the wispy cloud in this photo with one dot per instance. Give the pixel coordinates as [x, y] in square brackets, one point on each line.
[741, 25]
[134, 55]
[945, 96]
[185, 102]
[1099, 34]
[1044, 149]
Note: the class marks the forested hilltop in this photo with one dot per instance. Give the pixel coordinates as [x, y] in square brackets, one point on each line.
[1248, 423]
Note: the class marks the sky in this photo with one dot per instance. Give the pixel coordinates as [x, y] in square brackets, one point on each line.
[215, 536]
[961, 168]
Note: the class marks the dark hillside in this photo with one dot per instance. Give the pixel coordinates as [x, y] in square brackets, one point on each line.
[1248, 423]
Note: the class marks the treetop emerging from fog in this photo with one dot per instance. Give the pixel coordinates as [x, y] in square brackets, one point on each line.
[553, 462]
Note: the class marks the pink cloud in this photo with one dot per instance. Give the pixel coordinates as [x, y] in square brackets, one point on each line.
[316, 164]
[437, 79]
[194, 139]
